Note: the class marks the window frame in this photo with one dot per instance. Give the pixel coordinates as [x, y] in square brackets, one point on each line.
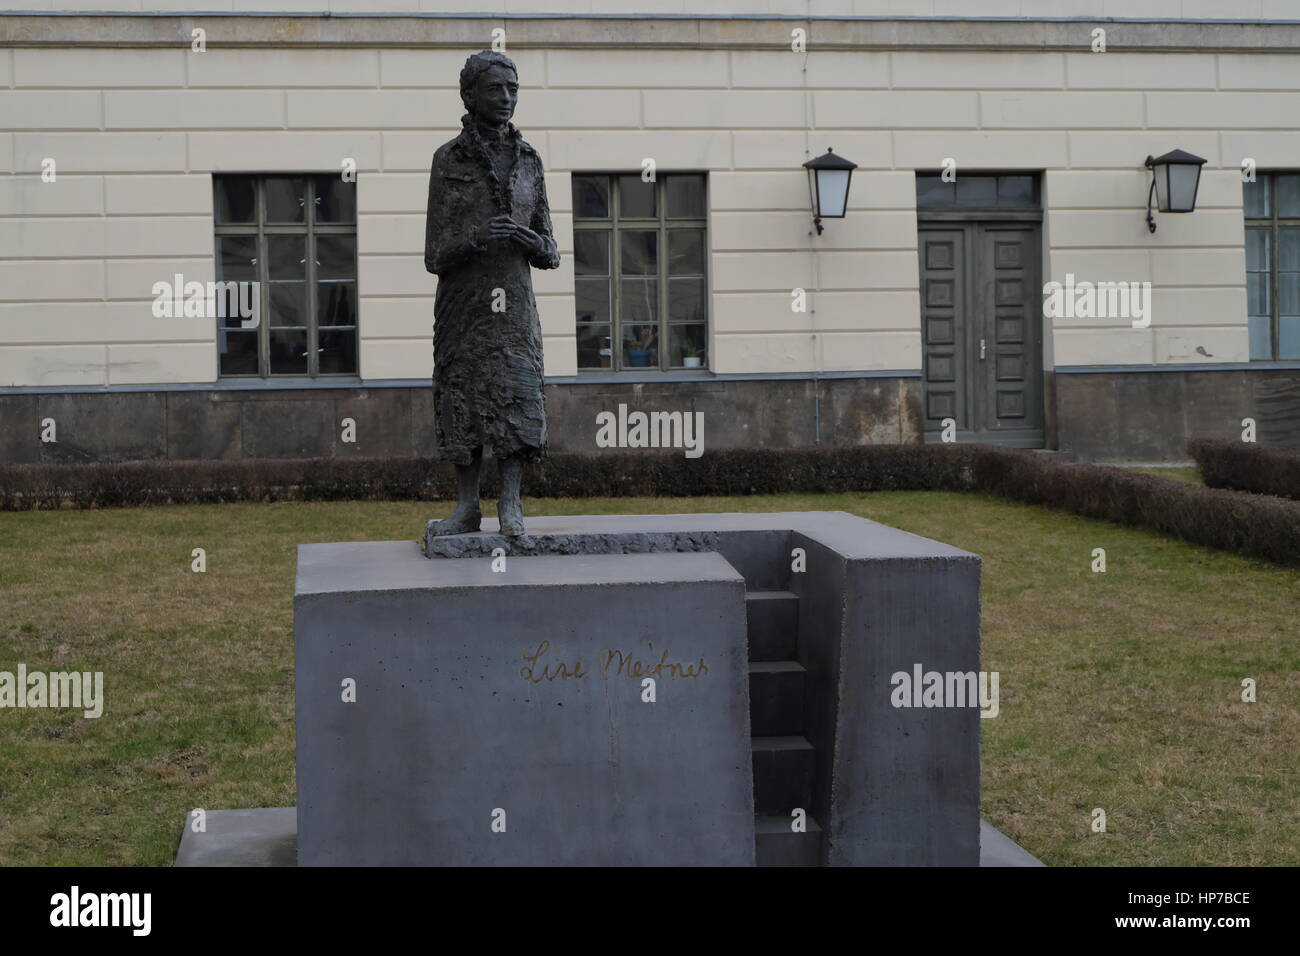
[1271, 225]
[309, 229]
[662, 224]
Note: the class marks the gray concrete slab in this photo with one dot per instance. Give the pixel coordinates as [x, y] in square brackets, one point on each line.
[269, 836]
[998, 849]
[262, 837]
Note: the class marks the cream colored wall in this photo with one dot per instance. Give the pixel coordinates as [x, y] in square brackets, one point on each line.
[137, 133]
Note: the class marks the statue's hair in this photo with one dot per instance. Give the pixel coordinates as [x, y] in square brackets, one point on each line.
[475, 67]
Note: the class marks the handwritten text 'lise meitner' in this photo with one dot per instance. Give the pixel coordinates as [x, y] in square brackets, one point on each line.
[611, 663]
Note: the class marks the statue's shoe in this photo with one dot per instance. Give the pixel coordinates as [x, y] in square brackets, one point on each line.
[466, 523]
[511, 518]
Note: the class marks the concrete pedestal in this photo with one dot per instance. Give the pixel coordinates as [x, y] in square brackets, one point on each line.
[505, 717]
[487, 703]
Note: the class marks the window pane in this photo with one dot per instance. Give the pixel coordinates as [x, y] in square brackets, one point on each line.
[932, 191]
[686, 252]
[336, 257]
[1288, 337]
[237, 258]
[287, 257]
[1257, 257]
[592, 299]
[336, 303]
[640, 249]
[1255, 198]
[235, 199]
[1257, 301]
[977, 191]
[1015, 190]
[636, 200]
[1260, 343]
[288, 303]
[640, 347]
[246, 296]
[591, 252]
[238, 352]
[1288, 249]
[338, 351]
[285, 199]
[639, 301]
[685, 197]
[687, 344]
[1288, 293]
[336, 201]
[288, 351]
[287, 266]
[593, 347]
[1288, 196]
[686, 300]
[591, 197]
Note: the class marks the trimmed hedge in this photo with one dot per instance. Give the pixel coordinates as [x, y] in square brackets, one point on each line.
[1262, 526]
[1258, 525]
[1242, 466]
[724, 472]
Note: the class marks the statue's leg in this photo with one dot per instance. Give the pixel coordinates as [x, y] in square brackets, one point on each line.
[467, 517]
[509, 508]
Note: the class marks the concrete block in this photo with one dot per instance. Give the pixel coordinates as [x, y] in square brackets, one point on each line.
[773, 620]
[262, 837]
[480, 692]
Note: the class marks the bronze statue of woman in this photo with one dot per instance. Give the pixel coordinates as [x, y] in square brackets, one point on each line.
[488, 223]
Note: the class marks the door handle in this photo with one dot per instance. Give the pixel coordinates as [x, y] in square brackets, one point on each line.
[981, 350]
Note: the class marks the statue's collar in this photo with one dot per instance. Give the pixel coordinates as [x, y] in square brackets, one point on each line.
[508, 134]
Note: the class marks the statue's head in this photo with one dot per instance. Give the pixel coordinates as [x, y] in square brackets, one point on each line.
[489, 87]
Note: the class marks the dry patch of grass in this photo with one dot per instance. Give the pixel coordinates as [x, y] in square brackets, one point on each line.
[1119, 690]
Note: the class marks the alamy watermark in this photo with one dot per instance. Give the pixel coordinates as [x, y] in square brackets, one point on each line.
[207, 300]
[651, 430]
[922, 688]
[80, 690]
[1098, 300]
[75, 908]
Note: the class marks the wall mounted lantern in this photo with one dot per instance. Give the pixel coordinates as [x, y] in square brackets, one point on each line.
[1175, 177]
[828, 186]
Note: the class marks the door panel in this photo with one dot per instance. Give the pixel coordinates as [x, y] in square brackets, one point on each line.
[982, 331]
[943, 299]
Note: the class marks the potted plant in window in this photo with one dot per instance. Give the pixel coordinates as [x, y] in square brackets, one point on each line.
[692, 354]
[641, 349]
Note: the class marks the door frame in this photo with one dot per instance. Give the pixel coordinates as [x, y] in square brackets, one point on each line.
[948, 219]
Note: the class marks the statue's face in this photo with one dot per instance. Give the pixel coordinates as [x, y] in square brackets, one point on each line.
[495, 95]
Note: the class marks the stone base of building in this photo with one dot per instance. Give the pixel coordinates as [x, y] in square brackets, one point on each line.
[1151, 415]
[1104, 415]
[397, 421]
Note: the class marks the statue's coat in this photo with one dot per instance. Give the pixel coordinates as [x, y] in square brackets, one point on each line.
[487, 373]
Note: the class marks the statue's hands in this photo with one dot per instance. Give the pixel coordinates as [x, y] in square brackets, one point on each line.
[498, 227]
[505, 228]
[533, 243]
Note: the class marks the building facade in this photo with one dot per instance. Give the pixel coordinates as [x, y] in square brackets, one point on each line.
[994, 275]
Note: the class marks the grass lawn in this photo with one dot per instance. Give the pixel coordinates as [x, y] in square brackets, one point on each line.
[1189, 474]
[1118, 690]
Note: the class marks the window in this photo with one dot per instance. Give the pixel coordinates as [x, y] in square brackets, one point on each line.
[977, 190]
[639, 271]
[1272, 205]
[296, 236]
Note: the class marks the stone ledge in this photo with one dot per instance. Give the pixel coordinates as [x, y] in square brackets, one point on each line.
[482, 545]
[269, 837]
[679, 32]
